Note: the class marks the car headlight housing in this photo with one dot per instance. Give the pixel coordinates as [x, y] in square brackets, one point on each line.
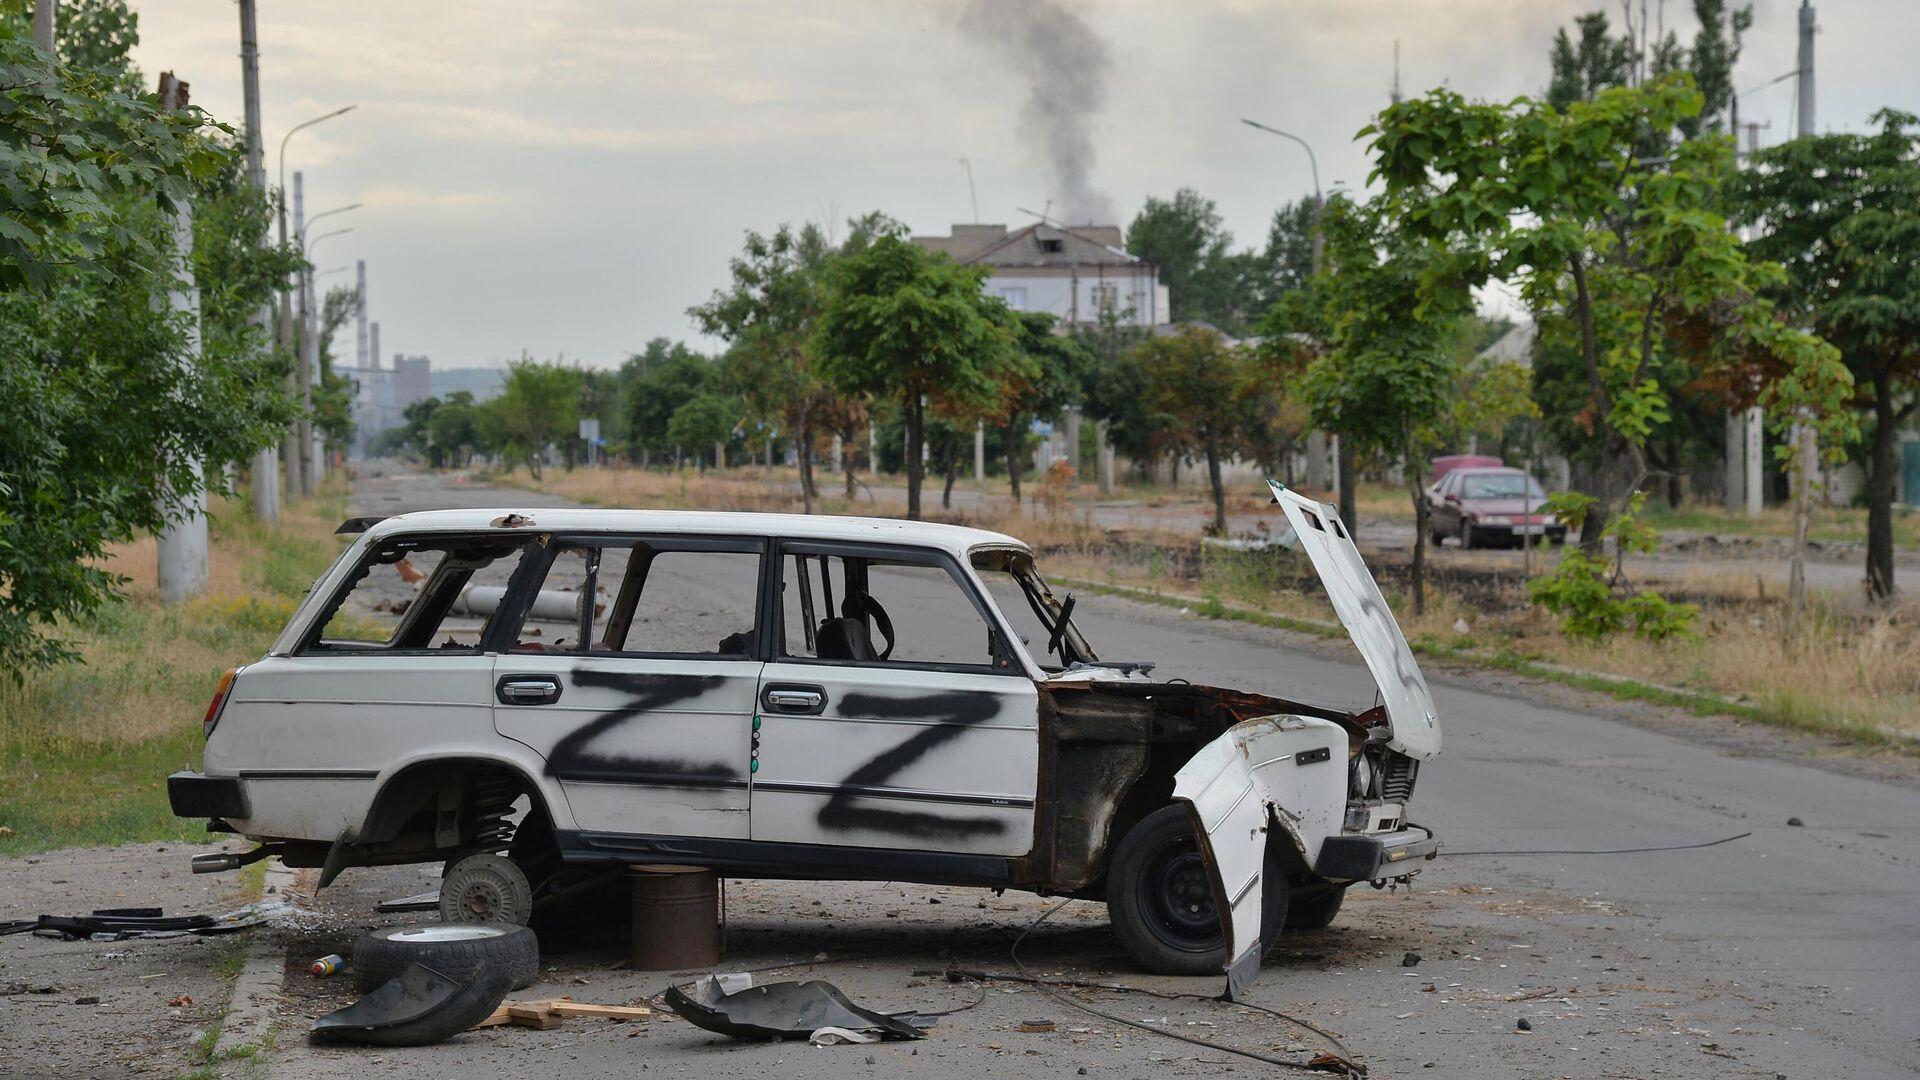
[1497, 519]
[1363, 780]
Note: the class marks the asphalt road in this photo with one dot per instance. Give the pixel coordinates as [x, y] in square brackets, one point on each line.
[1792, 953]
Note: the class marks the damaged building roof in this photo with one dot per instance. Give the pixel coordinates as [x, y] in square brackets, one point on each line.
[1039, 244]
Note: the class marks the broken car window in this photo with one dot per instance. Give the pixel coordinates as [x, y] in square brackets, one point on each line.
[1029, 607]
[881, 611]
[412, 593]
[647, 598]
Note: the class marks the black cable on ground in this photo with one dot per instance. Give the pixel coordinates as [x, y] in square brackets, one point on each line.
[1603, 851]
[1346, 1069]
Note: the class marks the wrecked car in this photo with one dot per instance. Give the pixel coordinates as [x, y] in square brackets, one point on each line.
[533, 698]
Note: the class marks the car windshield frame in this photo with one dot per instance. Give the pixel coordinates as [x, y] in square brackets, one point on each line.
[1018, 564]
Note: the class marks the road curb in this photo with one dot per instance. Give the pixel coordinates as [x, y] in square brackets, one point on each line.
[256, 992]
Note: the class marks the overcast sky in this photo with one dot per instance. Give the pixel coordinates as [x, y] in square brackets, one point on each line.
[566, 177]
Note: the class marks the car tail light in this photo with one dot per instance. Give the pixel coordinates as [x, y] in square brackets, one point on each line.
[219, 702]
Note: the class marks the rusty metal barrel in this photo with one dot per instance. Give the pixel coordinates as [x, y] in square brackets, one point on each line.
[676, 917]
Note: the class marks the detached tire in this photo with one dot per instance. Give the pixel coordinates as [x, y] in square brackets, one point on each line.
[456, 950]
[1160, 898]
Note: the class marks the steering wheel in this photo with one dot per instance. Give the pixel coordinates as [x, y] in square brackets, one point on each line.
[861, 603]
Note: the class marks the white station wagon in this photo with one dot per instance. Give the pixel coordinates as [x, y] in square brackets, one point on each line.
[536, 697]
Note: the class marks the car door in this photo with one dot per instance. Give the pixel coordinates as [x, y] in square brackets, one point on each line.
[633, 674]
[1445, 506]
[892, 714]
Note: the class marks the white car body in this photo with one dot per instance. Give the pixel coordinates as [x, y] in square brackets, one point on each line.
[774, 760]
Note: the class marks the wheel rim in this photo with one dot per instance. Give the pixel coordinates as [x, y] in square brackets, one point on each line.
[445, 933]
[1176, 894]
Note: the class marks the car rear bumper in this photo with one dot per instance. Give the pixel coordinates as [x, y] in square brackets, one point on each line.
[1516, 533]
[195, 795]
[1382, 855]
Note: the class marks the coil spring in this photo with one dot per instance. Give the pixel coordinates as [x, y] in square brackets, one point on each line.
[493, 800]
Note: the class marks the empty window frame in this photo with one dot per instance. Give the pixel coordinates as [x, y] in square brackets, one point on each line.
[892, 608]
[416, 593]
[665, 597]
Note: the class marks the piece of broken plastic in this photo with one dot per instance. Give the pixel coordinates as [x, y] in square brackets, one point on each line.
[782, 1010]
[414, 1008]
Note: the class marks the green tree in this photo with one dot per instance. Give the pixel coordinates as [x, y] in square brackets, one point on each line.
[912, 325]
[704, 421]
[333, 396]
[1043, 388]
[453, 430]
[1387, 375]
[102, 416]
[1625, 248]
[538, 404]
[654, 386]
[1189, 377]
[1842, 212]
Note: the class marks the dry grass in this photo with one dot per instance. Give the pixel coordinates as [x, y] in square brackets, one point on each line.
[87, 745]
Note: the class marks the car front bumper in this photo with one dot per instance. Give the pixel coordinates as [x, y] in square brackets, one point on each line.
[1517, 533]
[196, 795]
[1352, 857]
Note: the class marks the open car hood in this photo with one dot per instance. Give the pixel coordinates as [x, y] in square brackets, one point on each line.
[1364, 612]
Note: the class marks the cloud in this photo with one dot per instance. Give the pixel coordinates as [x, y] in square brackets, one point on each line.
[500, 126]
[389, 196]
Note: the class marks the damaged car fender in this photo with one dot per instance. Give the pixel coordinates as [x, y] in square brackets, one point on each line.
[1282, 777]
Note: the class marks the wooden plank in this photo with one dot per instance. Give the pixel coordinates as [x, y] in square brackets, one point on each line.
[610, 1012]
[538, 1017]
[495, 1018]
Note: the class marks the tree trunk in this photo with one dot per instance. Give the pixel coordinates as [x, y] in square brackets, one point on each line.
[916, 443]
[953, 472]
[1883, 472]
[1414, 486]
[1343, 472]
[803, 447]
[1219, 489]
[1596, 522]
[846, 462]
[1674, 485]
[1015, 467]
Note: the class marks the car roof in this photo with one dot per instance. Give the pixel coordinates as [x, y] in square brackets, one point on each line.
[1486, 470]
[956, 539]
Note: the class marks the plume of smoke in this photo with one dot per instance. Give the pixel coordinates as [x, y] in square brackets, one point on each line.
[1065, 64]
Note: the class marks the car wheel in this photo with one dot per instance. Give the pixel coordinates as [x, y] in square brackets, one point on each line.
[1160, 898]
[1435, 537]
[1558, 541]
[1315, 912]
[1466, 536]
[455, 950]
[486, 889]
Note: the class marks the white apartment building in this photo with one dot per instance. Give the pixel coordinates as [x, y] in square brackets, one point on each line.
[1070, 272]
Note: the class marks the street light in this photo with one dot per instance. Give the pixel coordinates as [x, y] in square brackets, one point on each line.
[1319, 204]
[308, 224]
[1342, 461]
[299, 475]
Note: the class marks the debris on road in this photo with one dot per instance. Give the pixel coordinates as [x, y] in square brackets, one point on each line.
[1412, 959]
[1524, 1024]
[782, 1010]
[418, 1007]
[426, 901]
[549, 1012]
[1037, 1026]
[327, 965]
[120, 924]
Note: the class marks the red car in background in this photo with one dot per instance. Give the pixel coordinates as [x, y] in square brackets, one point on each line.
[1488, 507]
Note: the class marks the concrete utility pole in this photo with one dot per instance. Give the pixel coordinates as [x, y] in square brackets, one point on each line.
[264, 477]
[45, 14]
[182, 544]
[979, 451]
[1809, 453]
[303, 428]
[294, 454]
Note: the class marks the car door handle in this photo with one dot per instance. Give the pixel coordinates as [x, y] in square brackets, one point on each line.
[787, 698]
[527, 690]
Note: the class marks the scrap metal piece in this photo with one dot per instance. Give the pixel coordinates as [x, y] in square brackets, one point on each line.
[417, 1007]
[782, 1010]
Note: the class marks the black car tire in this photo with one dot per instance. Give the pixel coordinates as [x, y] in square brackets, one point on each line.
[468, 1006]
[1160, 898]
[456, 950]
[1315, 912]
[1466, 536]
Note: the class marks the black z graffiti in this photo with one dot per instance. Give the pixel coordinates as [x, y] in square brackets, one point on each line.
[954, 713]
[572, 757]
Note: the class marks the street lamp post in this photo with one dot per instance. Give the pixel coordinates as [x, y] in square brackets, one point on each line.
[309, 332]
[1316, 456]
[293, 453]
